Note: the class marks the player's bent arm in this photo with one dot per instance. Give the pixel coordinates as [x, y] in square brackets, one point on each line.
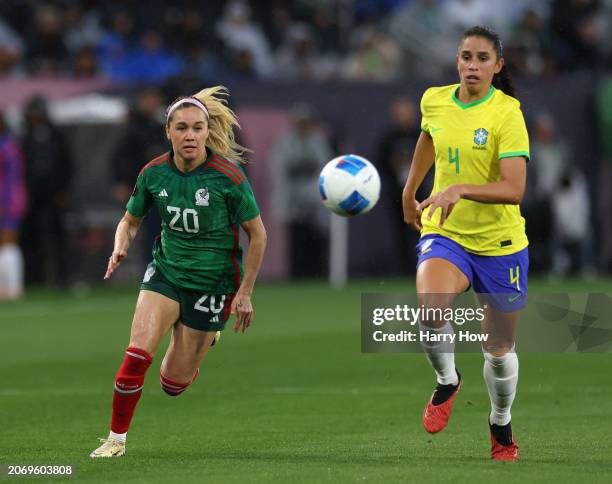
[510, 189]
[258, 238]
[422, 161]
[124, 235]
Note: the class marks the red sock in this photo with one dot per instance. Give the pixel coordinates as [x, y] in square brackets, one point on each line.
[128, 387]
[173, 388]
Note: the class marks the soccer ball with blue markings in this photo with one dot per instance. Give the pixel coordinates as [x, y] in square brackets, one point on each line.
[349, 185]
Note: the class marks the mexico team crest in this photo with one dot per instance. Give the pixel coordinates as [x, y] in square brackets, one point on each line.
[201, 197]
[480, 136]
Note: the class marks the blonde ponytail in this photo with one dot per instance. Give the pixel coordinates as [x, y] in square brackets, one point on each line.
[221, 123]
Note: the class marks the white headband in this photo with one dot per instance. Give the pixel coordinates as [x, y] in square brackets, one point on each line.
[187, 100]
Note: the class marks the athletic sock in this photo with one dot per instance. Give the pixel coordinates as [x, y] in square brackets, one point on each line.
[444, 392]
[120, 437]
[11, 271]
[501, 376]
[128, 388]
[441, 354]
[502, 433]
[173, 388]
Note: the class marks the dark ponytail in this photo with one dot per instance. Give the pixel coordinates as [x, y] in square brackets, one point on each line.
[502, 80]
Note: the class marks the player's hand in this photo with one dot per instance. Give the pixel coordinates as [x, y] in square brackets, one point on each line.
[243, 309]
[412, 216]
[444, 200]
[113, 262]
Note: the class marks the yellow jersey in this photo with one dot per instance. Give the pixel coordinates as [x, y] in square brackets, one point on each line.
[469, 140]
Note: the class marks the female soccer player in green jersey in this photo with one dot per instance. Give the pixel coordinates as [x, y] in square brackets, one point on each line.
[472, 231]
[196, 279]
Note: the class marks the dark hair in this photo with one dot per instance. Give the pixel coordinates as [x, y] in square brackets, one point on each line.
[501, 80]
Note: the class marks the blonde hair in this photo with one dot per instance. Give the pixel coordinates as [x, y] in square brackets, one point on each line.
[221, 122]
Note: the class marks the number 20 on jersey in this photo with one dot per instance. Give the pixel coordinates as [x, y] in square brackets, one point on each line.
[184, 220]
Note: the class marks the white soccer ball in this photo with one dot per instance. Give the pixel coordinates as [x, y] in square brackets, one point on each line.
[349, 185]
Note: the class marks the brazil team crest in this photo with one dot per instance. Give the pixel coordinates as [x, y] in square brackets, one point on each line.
[480, 136]
[201, 197]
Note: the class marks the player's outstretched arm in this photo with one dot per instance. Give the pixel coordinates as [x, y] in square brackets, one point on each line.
[241, 305]
[126, 231]
[422, 160]
[509, 190]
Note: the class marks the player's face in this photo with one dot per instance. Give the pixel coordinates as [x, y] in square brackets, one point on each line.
[188, 131]
[477, 62]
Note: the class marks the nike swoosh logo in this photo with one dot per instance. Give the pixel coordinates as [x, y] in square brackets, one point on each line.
[434, 130]
[511, 299]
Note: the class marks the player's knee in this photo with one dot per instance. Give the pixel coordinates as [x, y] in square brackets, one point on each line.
[498, 350]
[174, 388]
[434, 306]
[131, 374]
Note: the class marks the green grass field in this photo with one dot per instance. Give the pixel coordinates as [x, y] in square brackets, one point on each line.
[293, 400]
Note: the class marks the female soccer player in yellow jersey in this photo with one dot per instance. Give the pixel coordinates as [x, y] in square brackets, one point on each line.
[196, 277]
[472, 231]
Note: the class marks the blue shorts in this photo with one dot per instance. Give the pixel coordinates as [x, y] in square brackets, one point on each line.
[502, 277]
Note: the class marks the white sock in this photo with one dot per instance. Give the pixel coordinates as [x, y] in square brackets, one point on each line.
[501, 376]
[441, 355]
[120, 437]
[11, 271]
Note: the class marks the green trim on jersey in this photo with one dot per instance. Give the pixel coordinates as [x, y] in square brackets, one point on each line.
[198, 248]
[474, 103]
[510, 154]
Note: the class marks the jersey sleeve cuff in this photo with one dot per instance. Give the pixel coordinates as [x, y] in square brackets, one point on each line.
[511, 154]
[248, 216]
[133, 212]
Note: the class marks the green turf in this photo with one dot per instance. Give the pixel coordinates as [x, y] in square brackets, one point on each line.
[293, 400]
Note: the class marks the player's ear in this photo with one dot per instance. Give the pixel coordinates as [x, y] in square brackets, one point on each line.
[499, 65]
[167, 131]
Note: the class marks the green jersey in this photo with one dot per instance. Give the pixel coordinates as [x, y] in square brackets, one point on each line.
[200, 211]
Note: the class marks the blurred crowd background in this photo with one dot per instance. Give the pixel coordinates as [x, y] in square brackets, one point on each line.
[305, 39]
[84, 85]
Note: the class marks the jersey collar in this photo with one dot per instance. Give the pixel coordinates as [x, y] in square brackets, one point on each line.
[472, 104]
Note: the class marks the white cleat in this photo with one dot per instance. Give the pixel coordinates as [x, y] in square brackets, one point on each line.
[110, 448]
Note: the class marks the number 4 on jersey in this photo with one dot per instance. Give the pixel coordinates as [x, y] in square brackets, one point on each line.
[454, 159]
